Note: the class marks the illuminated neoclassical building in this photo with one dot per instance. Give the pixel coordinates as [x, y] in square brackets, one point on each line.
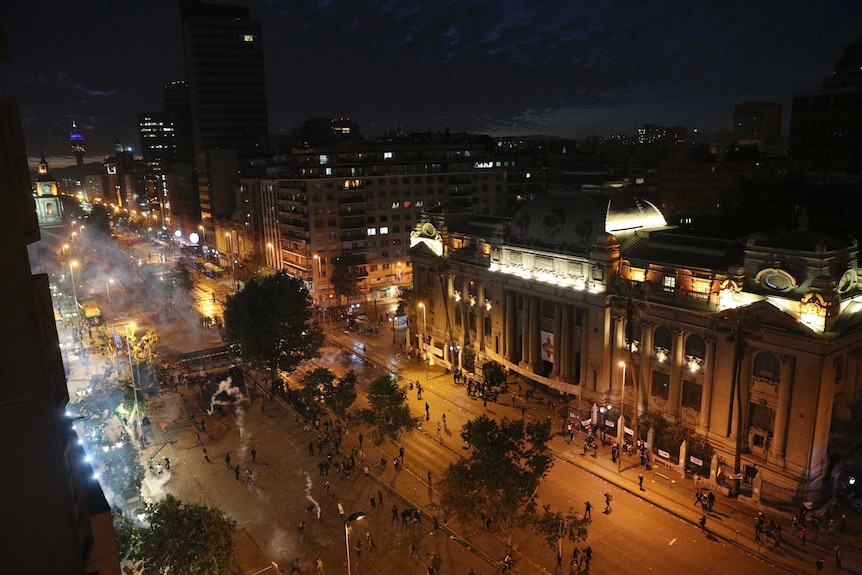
[532, 293]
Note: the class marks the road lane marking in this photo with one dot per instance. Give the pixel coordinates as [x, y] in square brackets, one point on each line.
[672, 541]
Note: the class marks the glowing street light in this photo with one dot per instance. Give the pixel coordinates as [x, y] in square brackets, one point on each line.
[347, 521]
[132, 325]
[425, 337]
[72, 265]
[622, 431]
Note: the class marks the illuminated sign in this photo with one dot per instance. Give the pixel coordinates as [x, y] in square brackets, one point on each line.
[483, 165]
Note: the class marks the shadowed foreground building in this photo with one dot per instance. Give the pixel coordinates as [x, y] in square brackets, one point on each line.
[55, 518]
[533, 294]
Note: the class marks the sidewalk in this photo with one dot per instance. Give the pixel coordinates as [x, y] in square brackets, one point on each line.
[730, 519]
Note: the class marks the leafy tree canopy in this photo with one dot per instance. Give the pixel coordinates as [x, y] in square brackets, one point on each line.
[387, 414]
[319, 387]
[507, 461]
[252, 266]
[555, 526]
[186, 538]
[269, 321]
[345, 275]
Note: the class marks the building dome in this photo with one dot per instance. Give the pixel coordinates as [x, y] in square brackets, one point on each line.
[577, 220]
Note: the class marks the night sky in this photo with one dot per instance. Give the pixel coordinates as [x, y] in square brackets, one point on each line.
[567, 68]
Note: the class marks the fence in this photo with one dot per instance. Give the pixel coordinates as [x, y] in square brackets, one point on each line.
[206, 358]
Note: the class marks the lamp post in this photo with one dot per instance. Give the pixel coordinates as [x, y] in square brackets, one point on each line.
[72, 265]
[347, 521]
[203, 235]
[108, 289]
[131, 324]
[424, 337]
[622, 430]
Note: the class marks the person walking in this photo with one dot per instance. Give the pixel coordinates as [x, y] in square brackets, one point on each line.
[236, 472]
[249, 478]
[318, 566]
[394, 513]
[838, 557]
[427, 411]
[360, 440]
[608, 499]
[253, 455]
[587, 508]
[703, 523]
[439, 431]
[641, 481]
[301, 530]
[429, 478]
[206, 455]
[818, 565]
[295, 567]
[227, 460]
[401, 453]
[327, 486]
[380, 498]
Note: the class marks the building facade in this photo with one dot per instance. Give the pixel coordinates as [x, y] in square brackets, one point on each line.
[539, 294]
[321, 203]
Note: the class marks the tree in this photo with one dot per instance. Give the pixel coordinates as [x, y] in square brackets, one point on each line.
[187, 538]
[387, 415]
[252, 266]
[630, 299]
[345, 276]
[319, 386]
[739, 324]
[504, 469]
[269, 323]
[555, 526]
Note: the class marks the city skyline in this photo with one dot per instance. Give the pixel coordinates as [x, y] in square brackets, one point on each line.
[507, 68]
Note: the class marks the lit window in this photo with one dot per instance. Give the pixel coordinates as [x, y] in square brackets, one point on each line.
[384, 230]
[371, 231]
[328, 171]
[396, 205]
[387, 155]
[248, 38]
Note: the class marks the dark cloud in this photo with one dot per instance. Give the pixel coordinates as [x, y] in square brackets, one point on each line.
[561, 67]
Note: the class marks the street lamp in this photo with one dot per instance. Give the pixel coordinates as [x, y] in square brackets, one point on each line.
[622, 430]
[108, 289]
[131, 324]
[347, 521]
[424, 337]
[72, 265]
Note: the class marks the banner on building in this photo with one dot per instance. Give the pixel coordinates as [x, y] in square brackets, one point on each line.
[548, 346]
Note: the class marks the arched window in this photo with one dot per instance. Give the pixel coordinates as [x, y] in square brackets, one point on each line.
[695, 346]
[663, 343]
[767, 365]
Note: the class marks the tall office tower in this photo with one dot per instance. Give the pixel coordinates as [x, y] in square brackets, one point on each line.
[225, 72]
[826, 124]
[55, 517]
[76, 139]
[178, 109]
[157, 140]
[757, 123]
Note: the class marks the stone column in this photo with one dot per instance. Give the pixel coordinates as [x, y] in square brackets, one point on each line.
[645, 353]
[566, 344]
[782, 414]
[480, 316]
[706, 391]
[677, 359]
[510, 326]
[558, 339]
[535, 332]
[525, 330]
[465, 311]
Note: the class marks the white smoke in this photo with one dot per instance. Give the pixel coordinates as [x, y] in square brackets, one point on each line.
[308, 485]
[225, 395]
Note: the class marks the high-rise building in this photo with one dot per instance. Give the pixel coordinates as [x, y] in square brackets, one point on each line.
[177, 107]
[76, 140]
[757, 123]
[157, 140]
[55, 516]
[225, 74]
[826, 124]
